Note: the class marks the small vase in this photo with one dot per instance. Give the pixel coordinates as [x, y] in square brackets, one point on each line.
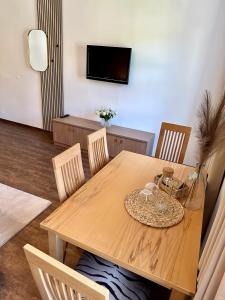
[193, 202]
[105, 123]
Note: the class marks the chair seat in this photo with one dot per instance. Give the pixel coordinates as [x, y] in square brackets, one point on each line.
[121, 283]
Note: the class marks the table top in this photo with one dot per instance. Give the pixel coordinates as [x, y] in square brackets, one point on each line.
[95, 219]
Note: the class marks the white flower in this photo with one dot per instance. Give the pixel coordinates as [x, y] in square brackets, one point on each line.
[105, 113]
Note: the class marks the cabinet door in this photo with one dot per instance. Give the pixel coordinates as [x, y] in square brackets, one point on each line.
[112, 145]
[63, 134]
[119, 144]
[134, 146]
[81, 137]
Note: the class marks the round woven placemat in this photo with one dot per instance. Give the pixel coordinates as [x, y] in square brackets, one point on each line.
[160, 212]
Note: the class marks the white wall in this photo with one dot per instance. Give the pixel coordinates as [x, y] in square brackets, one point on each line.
[178, 51]
[20, 88]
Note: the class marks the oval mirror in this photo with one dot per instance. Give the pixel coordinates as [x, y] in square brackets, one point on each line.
[37, 41]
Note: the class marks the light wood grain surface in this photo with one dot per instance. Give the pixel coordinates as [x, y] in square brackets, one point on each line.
[95, 219]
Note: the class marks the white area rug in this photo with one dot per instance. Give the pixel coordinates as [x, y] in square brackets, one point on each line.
[17, 209]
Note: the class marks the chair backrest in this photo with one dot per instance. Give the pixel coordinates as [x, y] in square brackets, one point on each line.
[172, 142]
[97, 150]
[56, 281]
[69, 172]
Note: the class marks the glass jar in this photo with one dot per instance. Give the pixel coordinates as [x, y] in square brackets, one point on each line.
[193, 180]
[166, 180]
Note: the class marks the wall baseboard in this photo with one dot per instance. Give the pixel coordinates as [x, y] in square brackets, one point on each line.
[22, 125]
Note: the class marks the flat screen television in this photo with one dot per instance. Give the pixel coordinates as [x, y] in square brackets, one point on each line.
[108, 63]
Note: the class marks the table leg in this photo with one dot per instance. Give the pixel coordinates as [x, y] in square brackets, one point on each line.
[56, 246]
[175, 295]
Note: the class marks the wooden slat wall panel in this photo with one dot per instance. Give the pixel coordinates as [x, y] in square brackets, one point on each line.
[50, 21]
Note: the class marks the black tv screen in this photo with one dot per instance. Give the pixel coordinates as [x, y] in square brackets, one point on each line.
[108, 63]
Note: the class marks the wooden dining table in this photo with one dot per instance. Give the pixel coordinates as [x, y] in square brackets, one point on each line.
[95, 219]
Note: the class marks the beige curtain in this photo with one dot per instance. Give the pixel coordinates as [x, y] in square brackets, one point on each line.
[211, 278]
[216, 169]
[220, 295]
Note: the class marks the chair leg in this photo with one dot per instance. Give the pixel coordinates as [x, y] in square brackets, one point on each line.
[72, 255]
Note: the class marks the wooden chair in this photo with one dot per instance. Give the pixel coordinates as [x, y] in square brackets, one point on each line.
[172, 142]
[97, 150]
[56, 281]
[69, 172]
